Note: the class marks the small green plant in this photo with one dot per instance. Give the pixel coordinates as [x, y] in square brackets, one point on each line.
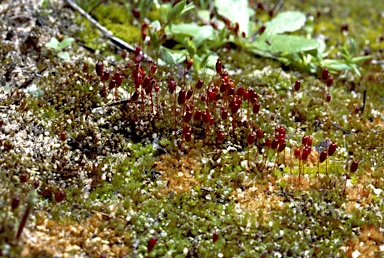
[45, 10]
[58, 46]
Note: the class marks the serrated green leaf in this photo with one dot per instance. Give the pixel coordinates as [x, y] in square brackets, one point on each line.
[285, 22]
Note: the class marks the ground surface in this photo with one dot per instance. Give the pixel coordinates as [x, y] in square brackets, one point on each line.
[126, 177]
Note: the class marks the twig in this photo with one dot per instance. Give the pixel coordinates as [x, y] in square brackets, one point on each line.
[115, 40]
[340, 128]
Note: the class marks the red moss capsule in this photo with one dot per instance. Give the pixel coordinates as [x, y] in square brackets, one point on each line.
[153, 69]
[105, 75]
[324, 75]
[282, 146]
[215, 236]
[224, 114]
[137, 51]
[197, 116]
[206, 117]
[296, 153]
[256, 107]
[305, 153]
[251, 138]
[24, 177]
[118, 77]
[309, 141]
[151, 244]
[323, 156]
[112, 84]
[329, 80]
[181, 97]
[219, 66]
[304, 140]
[332, 148]
[187, 117]
[189, 94]
[259, 133]
[99, 68]
[268, 142]
[136, 13]
[60, 195]
[240, 91]
[15, 202]
[220, 136]
[63, 136]
[211, 95]
[297, 85]
[188, 136]
[354, 166]
[274, 144]
[328, 97]
[199, 84]
[171, 85]
[36, 184]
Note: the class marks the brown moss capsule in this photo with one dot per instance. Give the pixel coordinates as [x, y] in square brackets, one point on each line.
[190, 63]
[329, 80]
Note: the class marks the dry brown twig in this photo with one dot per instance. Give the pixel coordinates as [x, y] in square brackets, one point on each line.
[108, 34]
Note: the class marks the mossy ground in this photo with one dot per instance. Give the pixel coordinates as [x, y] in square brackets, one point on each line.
[122, 189]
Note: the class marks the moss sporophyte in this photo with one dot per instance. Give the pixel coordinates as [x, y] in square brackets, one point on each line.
[187, 144]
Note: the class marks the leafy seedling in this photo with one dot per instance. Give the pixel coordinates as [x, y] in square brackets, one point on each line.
[58, 46]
